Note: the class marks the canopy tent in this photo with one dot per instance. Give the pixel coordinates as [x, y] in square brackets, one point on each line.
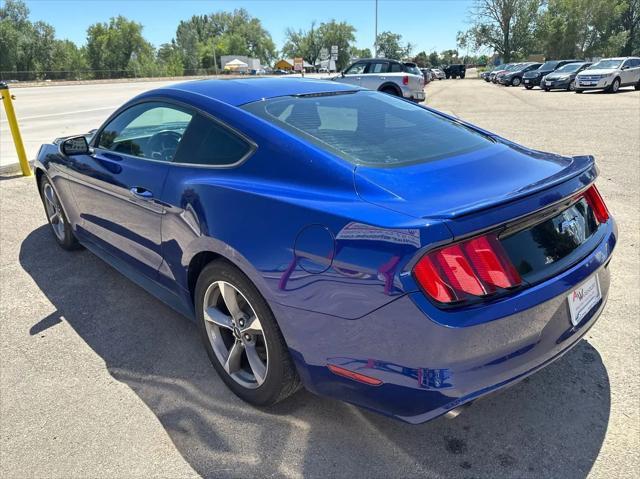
[236, 65]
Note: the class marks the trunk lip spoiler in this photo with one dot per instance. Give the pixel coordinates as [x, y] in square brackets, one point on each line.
[588, 163]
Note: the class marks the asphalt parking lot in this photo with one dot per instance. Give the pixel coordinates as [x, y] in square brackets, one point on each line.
[99, 379]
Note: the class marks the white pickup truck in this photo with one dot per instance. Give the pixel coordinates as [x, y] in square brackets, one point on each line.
[388, 76]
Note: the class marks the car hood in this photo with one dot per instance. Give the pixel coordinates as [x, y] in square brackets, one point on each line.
[554, 75]
[599, 71]
[535, 73]
[470, 182]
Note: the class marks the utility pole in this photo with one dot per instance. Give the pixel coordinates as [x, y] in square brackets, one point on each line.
[375, 39]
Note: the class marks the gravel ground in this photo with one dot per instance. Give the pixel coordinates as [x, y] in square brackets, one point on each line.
[99, 379]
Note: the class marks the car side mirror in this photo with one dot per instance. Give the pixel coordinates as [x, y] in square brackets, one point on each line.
[626, 67]
[76, 145]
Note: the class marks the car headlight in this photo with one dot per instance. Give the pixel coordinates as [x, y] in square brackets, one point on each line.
[563, 77]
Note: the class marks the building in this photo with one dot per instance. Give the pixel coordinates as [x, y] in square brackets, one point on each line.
[286, 64]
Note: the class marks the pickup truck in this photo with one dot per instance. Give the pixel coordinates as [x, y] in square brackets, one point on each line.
[388, 76]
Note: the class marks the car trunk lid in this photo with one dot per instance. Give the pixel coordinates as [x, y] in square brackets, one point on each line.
[456, 186]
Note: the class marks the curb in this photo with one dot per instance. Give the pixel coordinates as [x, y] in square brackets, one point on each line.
[13, 168]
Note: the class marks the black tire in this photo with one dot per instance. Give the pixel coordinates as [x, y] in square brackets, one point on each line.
[614, 87]
[571, 86]
[547, 89]
[56, 217]
[516, 81]
[578, 90]
[390, 91]
[637, 86]
[462, 76]
[281, 379]
[529, 87]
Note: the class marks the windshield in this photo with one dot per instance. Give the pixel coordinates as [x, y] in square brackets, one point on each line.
[606, 65]
[370, 128]
[569, 67]
[549, 65]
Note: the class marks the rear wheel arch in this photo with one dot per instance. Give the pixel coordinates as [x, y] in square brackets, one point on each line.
[39, 173]
[196, 265]
[388, 87]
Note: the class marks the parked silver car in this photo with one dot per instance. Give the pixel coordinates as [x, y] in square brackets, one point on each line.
[388, 76]
[610, 74]
[438, 73]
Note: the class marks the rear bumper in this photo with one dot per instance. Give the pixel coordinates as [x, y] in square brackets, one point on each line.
[428, 368]
[417, 96]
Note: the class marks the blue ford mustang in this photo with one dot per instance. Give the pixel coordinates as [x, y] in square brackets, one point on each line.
[340, 239]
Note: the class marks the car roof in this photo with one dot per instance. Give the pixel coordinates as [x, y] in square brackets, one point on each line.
[237, 92]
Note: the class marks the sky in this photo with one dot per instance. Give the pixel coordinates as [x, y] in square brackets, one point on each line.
[428, 24]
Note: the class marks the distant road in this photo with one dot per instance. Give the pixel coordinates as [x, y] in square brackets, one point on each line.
[45, 113]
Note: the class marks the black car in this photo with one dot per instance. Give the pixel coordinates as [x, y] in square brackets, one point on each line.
[534, 77]
[455, 71]
[514, 77]
[564, 77]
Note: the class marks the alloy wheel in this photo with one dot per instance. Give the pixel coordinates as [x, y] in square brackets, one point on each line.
[615, 86]
[235, 334]
[54, 212]
[572, 85]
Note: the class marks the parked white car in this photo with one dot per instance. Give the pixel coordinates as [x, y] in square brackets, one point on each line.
[610, 74]
[438, 73]
[388, 76]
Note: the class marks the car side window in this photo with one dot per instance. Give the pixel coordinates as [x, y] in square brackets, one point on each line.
[378, 67]
[356, 68]
[150, 130]
[207, 142]
[395, 68]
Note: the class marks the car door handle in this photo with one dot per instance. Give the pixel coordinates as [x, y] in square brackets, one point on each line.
[140, 192]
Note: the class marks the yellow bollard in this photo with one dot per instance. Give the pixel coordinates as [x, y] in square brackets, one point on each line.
[15, 129]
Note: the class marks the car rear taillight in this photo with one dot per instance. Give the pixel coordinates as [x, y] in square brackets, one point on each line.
[593, 197]
[474, 268]
[405, 80]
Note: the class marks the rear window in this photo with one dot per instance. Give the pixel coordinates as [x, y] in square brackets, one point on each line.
[370, 128]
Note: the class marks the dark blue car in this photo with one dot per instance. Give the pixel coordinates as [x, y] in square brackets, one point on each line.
[340, 239]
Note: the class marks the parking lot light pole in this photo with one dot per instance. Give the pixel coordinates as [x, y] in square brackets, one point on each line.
[15, 129]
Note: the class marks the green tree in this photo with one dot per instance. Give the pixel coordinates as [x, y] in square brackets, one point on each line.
[68, 61]
[170, 60]
[434, 59]
[202, 39]
[506, 26]
[356, 52]
[27, 48]
[117, 48]
[421, 59]
[389, 45]
[447, 57]
[340, 34]
[305, 44]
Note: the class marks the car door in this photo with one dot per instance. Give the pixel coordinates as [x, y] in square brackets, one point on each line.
[630, 71]
[375, 74]
[118, 185]
[353, 74]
